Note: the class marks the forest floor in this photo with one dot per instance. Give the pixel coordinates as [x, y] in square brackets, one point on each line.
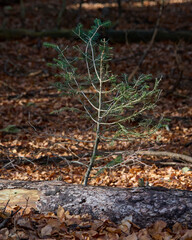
[33, 139]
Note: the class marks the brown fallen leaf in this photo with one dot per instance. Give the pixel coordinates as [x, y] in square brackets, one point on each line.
[187, 235]
[125, 225]
[157, 228]
[24, 222]
[133, 236]
[46, 231]
[4, 234]
[144, 235]
[61, 213]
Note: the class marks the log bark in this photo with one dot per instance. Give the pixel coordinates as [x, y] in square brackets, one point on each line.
[120, 36]
[146, 205]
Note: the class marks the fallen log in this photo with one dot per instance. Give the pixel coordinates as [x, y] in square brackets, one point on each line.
[120, 36]
[138, 35]
[14, 34]
[146, 205]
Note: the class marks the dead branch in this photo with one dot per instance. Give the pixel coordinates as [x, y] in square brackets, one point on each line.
[6, 220]
[166, 154]
[71, 159]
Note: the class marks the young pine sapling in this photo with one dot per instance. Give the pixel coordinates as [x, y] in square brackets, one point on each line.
[114, 103]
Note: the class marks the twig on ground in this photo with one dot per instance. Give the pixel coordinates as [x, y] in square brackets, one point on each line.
[27, 201]
[166, 154]
[175, 163]
[4, 209]
[6, 220]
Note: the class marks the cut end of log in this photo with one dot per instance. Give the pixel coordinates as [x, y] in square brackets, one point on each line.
[19, 197]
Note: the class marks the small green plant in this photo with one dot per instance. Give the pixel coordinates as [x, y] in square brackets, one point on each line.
[114, 105]
[10, 129]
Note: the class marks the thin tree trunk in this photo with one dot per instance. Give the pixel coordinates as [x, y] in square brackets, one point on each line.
[60, 15]
[22, 12]
[119, 8]
[86, 178]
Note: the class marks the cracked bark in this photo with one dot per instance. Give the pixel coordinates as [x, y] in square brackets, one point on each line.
[146, 205]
